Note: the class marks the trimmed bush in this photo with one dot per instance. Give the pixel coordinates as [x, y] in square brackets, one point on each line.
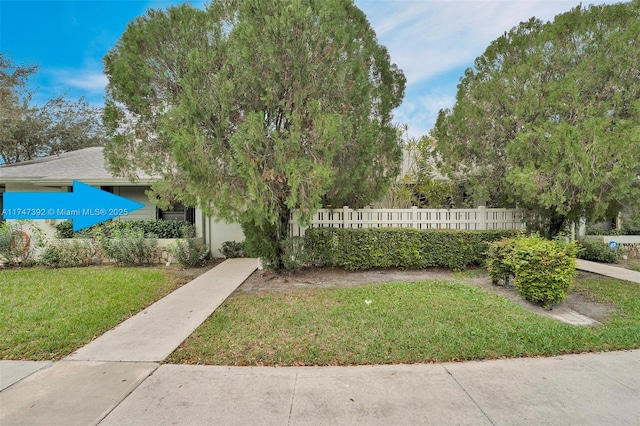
[261, 241]
[71, 253]
[129, 248]
[543, 269]
[597, 251]
[189, 253]
[149, 228]
[406, 248]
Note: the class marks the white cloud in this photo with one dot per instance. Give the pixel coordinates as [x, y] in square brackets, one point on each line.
[428, 38]
[431, 39]
[91, 81]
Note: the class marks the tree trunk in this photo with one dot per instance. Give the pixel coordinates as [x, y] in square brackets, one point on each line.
[556, 224]
[282, 235]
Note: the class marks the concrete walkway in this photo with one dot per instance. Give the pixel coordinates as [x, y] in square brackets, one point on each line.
[608, 270]
[155, 332]
[118, 380]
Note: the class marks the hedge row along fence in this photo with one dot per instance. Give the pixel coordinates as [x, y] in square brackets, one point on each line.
[405, 248]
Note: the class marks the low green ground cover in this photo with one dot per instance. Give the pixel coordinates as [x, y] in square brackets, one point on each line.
[45, 314]
[401, 323]
[632, 263]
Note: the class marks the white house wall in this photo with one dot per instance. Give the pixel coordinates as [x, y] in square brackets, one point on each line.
[219, 232]
[202, 223]
[48, 226]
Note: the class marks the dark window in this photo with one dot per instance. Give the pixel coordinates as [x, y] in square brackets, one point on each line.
[190, 215]
[178, 212]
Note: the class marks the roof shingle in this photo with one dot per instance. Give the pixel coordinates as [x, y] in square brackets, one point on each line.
[86, 164]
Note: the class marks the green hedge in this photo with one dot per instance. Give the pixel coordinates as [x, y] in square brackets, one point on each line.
[370, 248]
[598, 251]
[150, 229]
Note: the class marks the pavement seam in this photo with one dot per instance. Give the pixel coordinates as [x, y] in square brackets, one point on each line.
[45, 367]
[293, 396]
[603, 373]
[469, 395]
[127, 395]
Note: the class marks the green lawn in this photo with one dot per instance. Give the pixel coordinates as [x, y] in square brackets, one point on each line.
[401, 323]
[45, 314]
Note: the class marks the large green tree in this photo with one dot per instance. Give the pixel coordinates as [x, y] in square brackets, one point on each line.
[251, 109]
[29, 131]
[549, 117]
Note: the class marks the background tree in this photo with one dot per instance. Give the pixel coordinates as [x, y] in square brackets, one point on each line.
[30, 131]
[419, 184]
[549, 117]
[252, 109]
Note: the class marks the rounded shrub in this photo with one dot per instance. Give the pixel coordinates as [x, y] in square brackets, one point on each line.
[544, 269]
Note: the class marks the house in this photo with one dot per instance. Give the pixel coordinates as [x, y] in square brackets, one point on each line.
[56, 174]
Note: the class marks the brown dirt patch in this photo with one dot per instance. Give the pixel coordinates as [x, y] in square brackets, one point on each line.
[266, 281]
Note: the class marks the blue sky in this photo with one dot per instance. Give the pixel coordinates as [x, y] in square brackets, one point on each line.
[432, 41]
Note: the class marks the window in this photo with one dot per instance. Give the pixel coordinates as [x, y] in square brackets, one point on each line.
[178, 212]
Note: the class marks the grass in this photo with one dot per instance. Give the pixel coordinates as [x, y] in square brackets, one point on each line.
[45, 314]
[632, 263]
[401, 323]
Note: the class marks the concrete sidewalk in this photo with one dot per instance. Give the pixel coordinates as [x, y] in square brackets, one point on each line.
[590, 389]
[584, 389]
[608, 270]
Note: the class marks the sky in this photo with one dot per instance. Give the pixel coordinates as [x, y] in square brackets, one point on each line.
[432, 41]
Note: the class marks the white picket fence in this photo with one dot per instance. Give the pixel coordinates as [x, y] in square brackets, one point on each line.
[467, 219]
